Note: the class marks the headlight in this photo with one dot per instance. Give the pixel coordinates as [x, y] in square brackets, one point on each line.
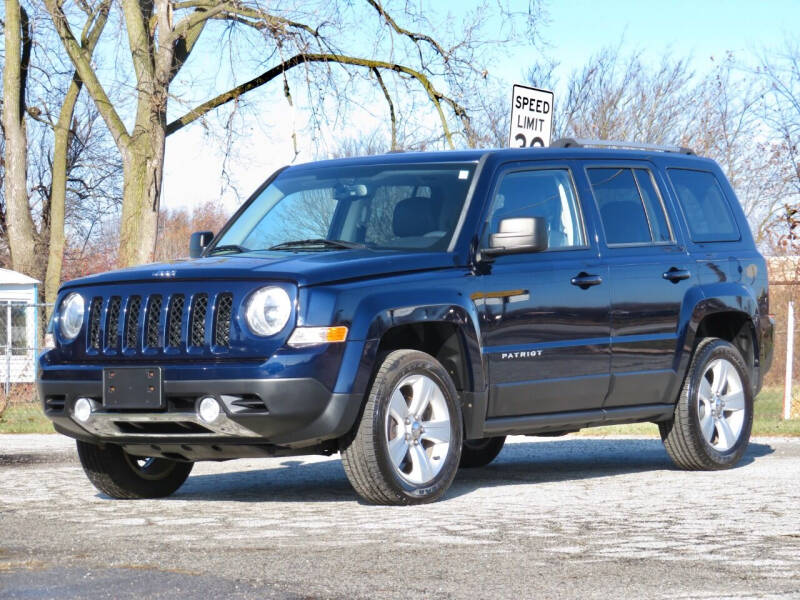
[268, 311]
[71, 315]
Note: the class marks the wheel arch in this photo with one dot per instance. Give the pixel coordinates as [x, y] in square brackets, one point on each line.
[728, 312]
[448, 332]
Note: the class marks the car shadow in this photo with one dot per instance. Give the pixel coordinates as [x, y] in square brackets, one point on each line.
[527, 462]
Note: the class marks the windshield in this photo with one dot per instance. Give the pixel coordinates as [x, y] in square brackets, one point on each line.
[409, 207]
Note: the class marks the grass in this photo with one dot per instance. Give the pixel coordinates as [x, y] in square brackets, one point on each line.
[29, 418]
[25, 418]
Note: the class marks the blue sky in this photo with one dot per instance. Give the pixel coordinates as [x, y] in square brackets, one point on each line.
[699, 28]
[575, 29]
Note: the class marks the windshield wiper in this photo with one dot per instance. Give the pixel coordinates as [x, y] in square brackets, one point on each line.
[232, 248]
[316, 242]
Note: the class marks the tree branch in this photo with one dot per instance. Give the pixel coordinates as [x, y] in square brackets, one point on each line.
[137, 16]
[391, 107]
[85, 71]
[412, 35]
[434, 95]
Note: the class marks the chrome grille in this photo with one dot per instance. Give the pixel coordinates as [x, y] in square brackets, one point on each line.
[112, 326]
[153, 321]
[132, 321]
[197, 327]
[222, 320]
[94, 323]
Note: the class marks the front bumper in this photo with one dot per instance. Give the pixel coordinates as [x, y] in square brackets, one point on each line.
[293, 413]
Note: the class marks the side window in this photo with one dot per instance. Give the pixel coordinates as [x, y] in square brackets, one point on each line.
[708, 214]
[547, 193]
[630, 206]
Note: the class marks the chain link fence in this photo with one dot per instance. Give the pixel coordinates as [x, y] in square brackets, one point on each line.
[21, 334]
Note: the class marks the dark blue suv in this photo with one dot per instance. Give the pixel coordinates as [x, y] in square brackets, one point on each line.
[411, 310]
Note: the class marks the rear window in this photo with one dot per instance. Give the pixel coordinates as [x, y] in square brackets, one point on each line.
[708, 213]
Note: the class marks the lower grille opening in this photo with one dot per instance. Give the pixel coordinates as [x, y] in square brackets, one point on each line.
[55, 403]
[161, 428]
[250, 403]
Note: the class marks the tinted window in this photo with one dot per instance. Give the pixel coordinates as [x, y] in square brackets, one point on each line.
[620, 204]
[707, 212]
[544, 193]
[653, 206]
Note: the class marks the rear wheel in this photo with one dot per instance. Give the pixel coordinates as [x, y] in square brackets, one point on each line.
[120, 475]
[479, 453]
[408, 443]
[711, 426]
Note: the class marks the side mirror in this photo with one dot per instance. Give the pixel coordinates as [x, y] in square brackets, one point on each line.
[199, 242]
[516, 236]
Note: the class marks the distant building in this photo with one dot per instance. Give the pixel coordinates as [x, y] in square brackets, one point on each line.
[18, 326]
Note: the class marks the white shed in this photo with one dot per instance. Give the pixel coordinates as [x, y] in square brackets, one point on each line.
[19, 314]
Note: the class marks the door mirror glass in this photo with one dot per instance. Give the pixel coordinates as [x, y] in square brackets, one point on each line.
[199, 242]
[515, 236]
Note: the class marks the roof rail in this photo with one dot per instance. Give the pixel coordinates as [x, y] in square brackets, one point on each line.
[582, 143]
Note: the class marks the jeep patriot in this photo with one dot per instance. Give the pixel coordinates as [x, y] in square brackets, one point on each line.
[411, 310]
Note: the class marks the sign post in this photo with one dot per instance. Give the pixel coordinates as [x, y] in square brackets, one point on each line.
[531, 117]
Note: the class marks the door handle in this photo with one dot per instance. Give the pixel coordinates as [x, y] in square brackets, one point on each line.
[675, 275]
[585, 280]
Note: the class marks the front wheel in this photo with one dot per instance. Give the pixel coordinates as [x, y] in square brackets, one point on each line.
[408, 443]
[710, 428]
[121, 475]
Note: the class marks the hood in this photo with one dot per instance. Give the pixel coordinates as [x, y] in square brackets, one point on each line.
[306, 268]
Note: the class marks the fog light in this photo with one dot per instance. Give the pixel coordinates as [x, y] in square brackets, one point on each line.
[208, 409]
[82, 410]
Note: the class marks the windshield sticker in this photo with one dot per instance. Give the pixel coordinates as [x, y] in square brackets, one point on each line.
[463, 174]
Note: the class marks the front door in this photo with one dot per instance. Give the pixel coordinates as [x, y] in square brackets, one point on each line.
[544, 316]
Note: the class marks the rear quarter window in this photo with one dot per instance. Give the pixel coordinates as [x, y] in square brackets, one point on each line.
[707, 211]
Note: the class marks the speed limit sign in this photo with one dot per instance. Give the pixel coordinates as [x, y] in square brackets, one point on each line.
[531, 117]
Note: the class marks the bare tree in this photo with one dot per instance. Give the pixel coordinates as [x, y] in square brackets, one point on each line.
[780, 72]
[19, 226]
[162, 35]
[48, 145]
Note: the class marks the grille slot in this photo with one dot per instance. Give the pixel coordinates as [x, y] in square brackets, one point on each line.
[112, 326]
[132, 321]
[94, 323]
[197, 327]
[152, 330]
[55, 403]
[222, 323]
[165, 428]
[175, 320]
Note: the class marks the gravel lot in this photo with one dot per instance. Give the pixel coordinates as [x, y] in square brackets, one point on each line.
[572, 517]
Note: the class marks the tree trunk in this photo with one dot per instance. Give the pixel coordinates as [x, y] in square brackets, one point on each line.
[22, 235]
[58, 192]
[143, 164]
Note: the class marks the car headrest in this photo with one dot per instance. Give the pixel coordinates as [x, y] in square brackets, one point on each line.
[415, 216]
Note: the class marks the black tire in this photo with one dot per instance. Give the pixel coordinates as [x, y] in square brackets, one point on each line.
[682, 435]
[120, 475]
[479, 453]
[365, 453]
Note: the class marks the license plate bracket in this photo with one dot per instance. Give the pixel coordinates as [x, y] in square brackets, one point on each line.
[133, 388]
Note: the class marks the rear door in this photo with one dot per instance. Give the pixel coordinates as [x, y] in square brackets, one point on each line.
[650, 272]
[544, 316]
